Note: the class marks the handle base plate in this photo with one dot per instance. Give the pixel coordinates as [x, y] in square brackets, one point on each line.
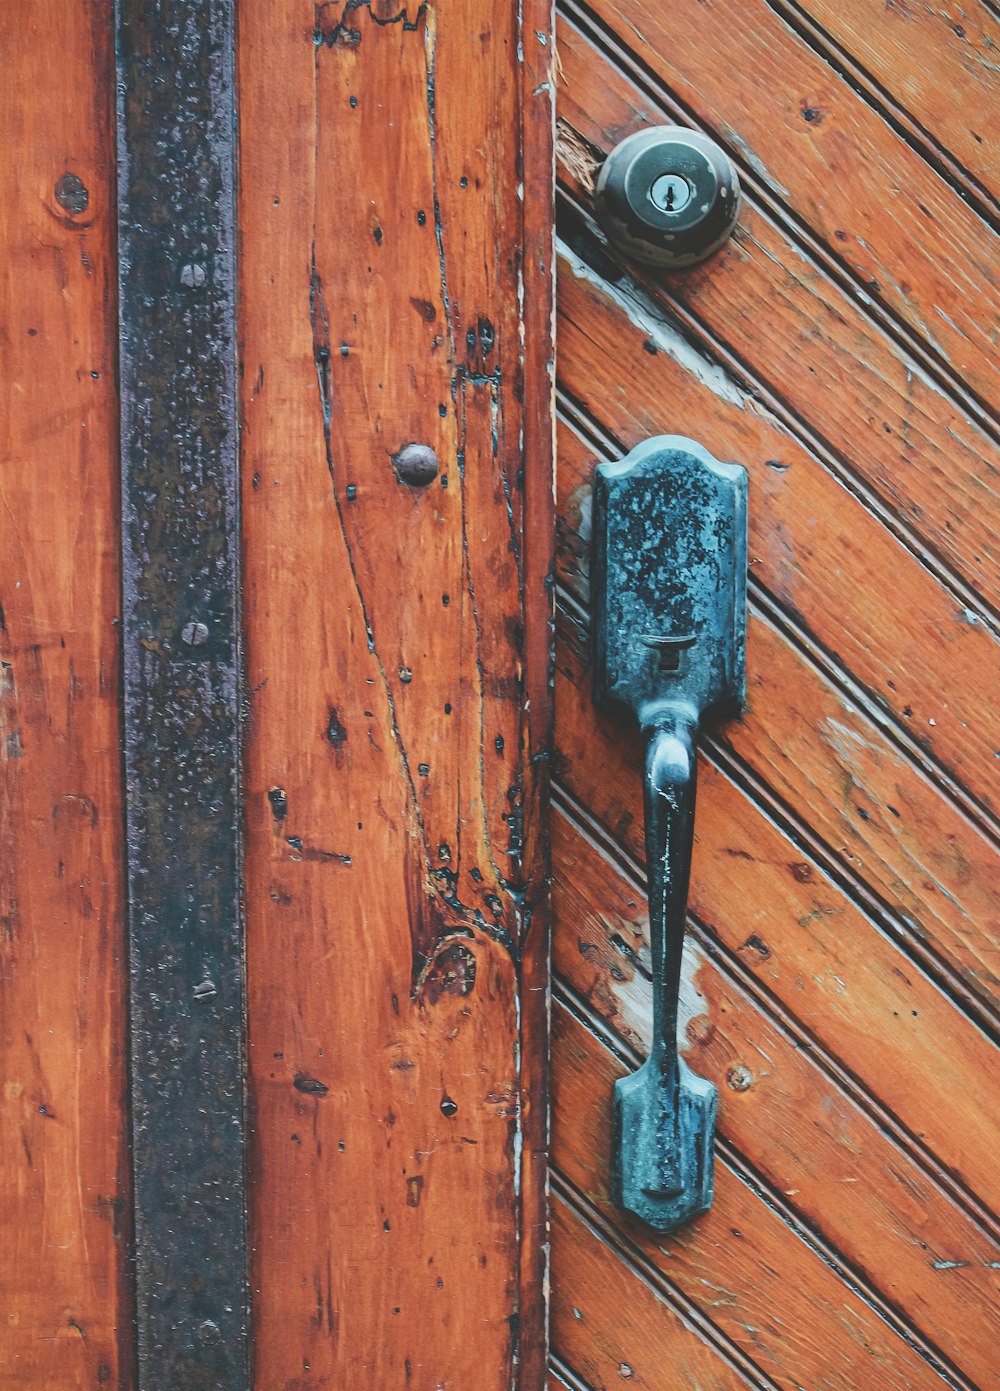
[664, 1138]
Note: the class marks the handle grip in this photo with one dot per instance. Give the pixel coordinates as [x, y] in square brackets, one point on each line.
[664, 1115]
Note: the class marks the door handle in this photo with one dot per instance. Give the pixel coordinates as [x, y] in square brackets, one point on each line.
[669, 590]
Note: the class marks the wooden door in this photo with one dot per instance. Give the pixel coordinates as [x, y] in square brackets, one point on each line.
[840, 986]
[275, 594]
[276, 711]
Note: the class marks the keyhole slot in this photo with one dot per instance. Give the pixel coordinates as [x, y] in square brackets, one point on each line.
[670, 193]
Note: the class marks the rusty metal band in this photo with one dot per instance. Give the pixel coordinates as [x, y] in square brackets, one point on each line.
[180, 616]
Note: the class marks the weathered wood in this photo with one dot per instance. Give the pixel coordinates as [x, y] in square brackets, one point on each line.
[813, 546]
[811, 347]
[64, 1209]
[770, 1293]
[840, 775]
[778, 915]
[846, 893]
[397, 608]
[826, 1156]
[937, 66]
[610, 1327]
[903, 235]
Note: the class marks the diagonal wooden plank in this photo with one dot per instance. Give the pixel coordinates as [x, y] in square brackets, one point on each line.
[932, 67]
[935, 874]
[810, 349]
[907, 240]
[802, 1131]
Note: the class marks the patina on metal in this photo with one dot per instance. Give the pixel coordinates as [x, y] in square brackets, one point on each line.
[177, 156]
[670, 558]
[668, 196]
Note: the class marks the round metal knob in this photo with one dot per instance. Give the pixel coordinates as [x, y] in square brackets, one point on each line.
[668, 196]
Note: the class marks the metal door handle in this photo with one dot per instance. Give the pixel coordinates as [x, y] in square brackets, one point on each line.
[669, 633]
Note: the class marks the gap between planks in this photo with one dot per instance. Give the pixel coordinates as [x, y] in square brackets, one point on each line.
[742, 1168]
[781, 1017]
[796, 228]
[561, 1375]
[604, 443]
[641, 295]
[978, 1009]
[882, 101]
[614, 1240]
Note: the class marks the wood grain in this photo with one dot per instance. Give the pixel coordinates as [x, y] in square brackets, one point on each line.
[610, 1327]
[826, 1157]
[397, 634]
[901, 232]
[935, 874]
[789, 926]
[807, 344]
[762, 1286]
[813, 545]
[64, 1216]
[845, 898]
[922, 57]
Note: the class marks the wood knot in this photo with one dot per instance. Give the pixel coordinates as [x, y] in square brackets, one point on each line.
[72, 194]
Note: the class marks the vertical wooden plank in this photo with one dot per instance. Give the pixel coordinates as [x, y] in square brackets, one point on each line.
[176, 146]
[396, 355]
[64, 1299]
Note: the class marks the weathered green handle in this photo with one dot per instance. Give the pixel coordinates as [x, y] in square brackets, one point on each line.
[669, 623]
[664, 1114]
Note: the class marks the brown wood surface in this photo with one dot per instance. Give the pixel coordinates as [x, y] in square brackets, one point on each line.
[796, 933]
[813, 546]
[929, 875]
[397, 657]
[804, 347]
[945, 99]
[904, 237]
[769, 1294]
[841, 978]
[603, 1325]
[64, 1302]
[822, 1150]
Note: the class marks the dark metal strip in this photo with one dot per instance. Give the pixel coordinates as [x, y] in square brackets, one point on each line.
[177, 160]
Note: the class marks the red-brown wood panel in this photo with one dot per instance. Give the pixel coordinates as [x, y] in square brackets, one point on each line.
[929, 874]
[904, 237]
[812, 351]
[840, 982]
[65, 1315]
[814, 547]
[605, 1334]
[820, 1145]
[771, 1295]
[792, 929]
[945, 99]
[396, 280]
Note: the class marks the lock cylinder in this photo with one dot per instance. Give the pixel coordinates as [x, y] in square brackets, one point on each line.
[668, 197]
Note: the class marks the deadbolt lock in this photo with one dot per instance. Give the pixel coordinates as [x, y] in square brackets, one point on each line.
[668, 196]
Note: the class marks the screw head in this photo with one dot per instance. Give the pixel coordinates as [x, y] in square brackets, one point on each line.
[668, 197]
[194, 634]
[739, 1078]
[416, 465]
[192, 276]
